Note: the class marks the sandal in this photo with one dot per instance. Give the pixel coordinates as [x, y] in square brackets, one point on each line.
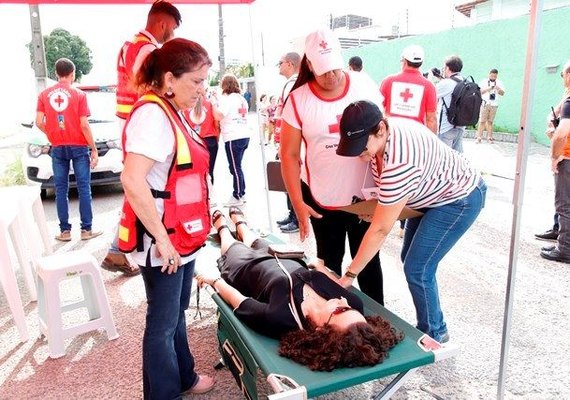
[236, 211]
[216, 215]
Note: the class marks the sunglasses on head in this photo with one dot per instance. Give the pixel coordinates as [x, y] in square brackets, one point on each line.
[338, 310]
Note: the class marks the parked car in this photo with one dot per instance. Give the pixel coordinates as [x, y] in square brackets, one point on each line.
[36, 159]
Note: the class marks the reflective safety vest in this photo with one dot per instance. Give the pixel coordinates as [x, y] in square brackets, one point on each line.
[126, 98]
[186, 210]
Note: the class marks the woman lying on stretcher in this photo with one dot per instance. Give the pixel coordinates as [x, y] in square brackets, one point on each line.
[322, 328]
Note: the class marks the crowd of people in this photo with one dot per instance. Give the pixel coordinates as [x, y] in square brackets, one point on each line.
[340, 138]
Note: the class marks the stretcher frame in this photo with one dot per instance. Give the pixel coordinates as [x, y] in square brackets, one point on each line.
[245, 352]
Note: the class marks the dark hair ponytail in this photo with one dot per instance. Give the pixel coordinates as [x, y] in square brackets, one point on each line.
[305, 75]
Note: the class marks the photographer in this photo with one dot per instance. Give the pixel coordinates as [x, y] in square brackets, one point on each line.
[491, 88]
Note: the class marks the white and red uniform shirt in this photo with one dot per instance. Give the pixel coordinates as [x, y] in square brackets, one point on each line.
[409, 95]
[333, 179]
[234, 124]
[420, 166]
[63, 106]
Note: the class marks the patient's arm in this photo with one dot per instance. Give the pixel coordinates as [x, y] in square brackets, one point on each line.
[231, 295]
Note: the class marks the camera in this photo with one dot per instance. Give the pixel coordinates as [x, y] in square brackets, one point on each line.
[492, 96]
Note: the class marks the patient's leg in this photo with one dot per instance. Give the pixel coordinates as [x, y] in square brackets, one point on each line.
[243, 233]
[226, 237]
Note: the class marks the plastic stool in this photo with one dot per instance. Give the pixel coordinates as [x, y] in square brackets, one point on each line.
[54, 269]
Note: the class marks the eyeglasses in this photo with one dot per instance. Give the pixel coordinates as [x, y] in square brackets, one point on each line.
[337, 311]
[281, 62]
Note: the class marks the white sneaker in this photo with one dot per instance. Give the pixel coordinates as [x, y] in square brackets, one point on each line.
[232, 201]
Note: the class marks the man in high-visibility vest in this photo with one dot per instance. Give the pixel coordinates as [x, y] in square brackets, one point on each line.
[163, 18]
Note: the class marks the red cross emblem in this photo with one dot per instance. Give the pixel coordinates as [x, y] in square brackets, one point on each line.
[335, 128]
[59, 100]
[323, 44]
[243, 111]
[406, 94]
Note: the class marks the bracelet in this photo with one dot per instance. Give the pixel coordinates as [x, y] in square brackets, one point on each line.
[214, 282]
[350, 274]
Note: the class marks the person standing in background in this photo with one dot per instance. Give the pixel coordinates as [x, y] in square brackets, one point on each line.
[62, 113]
[491, 88]
[289, 68]
[163, 18]
[202, 119]
[232, 113]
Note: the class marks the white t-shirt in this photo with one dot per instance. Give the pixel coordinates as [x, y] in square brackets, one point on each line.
[149, 133]
[234, 124]
[485, 84]
[333, 179]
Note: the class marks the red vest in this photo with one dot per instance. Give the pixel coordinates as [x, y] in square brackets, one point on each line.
[126, 98]
[186, 216]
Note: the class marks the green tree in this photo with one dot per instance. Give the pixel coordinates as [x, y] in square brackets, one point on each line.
[60, 43]
[241, 71]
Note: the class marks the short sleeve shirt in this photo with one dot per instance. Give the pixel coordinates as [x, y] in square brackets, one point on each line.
[63, 106]
[409, 95]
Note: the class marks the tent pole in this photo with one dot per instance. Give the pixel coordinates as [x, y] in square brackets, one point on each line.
[260, 133]
[535, 20]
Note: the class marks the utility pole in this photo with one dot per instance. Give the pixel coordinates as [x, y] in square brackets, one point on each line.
[221, 41]
[38, 52]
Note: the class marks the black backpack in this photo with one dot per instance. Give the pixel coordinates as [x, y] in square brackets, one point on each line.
[465, 103]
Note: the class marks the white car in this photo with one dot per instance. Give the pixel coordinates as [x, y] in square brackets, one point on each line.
[36, 159]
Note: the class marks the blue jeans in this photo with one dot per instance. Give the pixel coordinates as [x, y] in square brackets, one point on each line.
[212, 143]
[168, 364]
[234, 152]
[453, 138]
[61, 157]
[427, 240]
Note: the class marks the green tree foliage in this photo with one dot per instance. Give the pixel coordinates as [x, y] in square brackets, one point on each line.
[60, 43]
[241, 71]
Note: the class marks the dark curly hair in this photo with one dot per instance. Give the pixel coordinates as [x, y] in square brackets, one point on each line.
[324, 349]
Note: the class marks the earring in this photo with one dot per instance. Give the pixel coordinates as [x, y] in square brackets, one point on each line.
[169, 94]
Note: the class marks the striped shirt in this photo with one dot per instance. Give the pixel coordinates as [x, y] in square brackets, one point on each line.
[421, 167]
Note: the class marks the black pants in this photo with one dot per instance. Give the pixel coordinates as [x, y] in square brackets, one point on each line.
[330, 234]
[212, 143]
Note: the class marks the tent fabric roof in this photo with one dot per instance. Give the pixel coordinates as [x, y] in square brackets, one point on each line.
[125, 1]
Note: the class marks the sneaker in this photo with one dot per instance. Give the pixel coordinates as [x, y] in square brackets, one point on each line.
[291, 227]
[90, 234]
[232, 201]
[284, 221]
[64, 236]
[550, 234]
[444, 338]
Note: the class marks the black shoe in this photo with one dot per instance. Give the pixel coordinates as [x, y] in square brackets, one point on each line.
[548, 247]
[554, 255]
[285, 221]
[291, 227]
[550, 234]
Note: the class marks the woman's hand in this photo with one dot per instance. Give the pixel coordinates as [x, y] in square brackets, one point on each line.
[170, 258]
[205, 280]
[345, 281]
[304, 212]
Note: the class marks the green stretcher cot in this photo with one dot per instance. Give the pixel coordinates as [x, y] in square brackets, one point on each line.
[244, 352]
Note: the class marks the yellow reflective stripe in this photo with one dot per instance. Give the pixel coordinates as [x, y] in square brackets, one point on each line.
[123, 233]
[124, 108]
[183, 156]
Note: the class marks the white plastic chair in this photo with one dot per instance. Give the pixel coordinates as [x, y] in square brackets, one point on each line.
[51, 271]
[10, 232]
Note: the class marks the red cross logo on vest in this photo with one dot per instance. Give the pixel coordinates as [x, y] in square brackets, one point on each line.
[406, 95]
[242, 110]
[323, 44]
[335, 128]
